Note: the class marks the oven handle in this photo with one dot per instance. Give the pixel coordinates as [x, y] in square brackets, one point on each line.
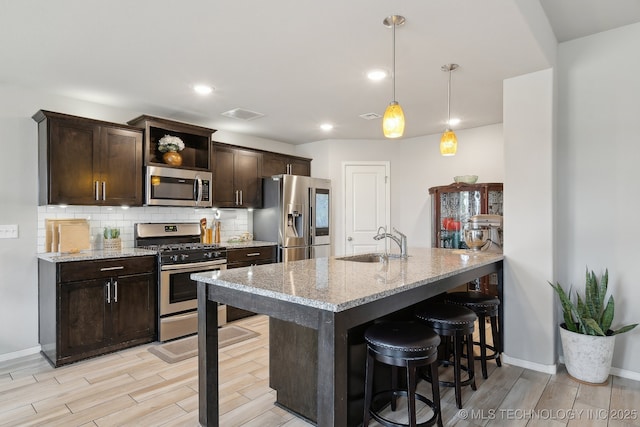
[196, 266]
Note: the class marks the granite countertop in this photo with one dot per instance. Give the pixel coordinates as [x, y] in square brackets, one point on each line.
[246, 244]
[94, 255]
[336, 285]
[129, 252]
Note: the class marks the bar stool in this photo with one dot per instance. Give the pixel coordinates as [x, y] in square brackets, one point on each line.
[457, 322]
[484, 306]
[401, 344]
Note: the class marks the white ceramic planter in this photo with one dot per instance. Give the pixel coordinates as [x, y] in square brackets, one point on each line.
[587, 357]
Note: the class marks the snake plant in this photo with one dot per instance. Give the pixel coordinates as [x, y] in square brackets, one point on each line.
[590, 316]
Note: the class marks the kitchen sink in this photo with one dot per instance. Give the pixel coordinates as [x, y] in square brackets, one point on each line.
[369, 257]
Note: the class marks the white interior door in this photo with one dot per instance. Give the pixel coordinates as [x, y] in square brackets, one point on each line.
[366, 205]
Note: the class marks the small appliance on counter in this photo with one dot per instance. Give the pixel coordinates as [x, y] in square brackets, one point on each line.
[483, 232]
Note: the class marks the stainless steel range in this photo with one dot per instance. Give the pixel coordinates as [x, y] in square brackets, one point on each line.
[180, 254]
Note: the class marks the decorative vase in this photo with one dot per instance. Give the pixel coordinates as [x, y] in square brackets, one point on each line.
[172, 158]
[587, 357]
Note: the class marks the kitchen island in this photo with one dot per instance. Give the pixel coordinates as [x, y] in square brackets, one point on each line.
[332, 297]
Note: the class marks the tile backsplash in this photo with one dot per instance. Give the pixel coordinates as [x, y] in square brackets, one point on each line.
[239, 221]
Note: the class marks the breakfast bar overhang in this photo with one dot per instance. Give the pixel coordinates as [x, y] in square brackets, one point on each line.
[331, 296]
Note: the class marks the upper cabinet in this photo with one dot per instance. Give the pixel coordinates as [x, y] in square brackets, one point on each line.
[237, 177]
[88, 162]
[278, 164]
[196, 153]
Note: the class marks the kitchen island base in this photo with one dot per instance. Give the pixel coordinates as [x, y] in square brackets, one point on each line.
[314, 294]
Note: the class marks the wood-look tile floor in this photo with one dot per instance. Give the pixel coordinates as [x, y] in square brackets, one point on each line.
[134, 387]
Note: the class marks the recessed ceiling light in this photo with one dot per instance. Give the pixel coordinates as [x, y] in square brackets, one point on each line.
[202, 89]
[376, 75]
[326, 127]
[454, 121]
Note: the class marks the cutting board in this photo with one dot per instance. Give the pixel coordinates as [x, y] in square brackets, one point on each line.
[52, 235]
[73, 237]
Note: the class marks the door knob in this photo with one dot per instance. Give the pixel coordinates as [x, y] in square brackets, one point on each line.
[349, 238]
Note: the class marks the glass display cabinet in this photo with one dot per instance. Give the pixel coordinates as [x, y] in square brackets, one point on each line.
[451, 207]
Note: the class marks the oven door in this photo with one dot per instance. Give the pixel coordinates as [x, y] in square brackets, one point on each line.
[178, 292]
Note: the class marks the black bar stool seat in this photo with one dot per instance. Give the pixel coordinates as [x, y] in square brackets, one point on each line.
[408, 345]
[457, 323]
[485, 306]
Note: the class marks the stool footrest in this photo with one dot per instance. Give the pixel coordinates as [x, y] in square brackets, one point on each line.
[388, 394]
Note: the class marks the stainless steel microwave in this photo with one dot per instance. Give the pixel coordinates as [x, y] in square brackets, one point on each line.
[178, 187]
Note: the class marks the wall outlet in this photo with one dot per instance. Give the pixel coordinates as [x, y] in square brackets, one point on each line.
[9, 231]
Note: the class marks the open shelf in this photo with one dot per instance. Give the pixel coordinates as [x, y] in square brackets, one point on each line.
[197, 142]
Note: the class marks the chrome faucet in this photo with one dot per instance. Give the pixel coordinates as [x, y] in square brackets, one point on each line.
[401, 241]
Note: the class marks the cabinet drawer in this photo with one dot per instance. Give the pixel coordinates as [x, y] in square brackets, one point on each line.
[251, 255]
[85, 270]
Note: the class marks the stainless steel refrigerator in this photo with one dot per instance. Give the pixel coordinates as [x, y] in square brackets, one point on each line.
[296, 214]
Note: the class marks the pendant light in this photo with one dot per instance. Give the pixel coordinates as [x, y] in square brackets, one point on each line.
[393, 120]
[449, 141]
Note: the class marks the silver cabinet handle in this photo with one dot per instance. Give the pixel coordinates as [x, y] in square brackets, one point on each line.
[104, 190]
[108, 285]
[237, 197]
[120, 267]
[240, 197]
[115, 291]
[96, 190]
[349, 238]
[254, 254]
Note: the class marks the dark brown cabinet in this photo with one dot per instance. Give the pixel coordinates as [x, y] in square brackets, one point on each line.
[237, 175]
[277, 164]
[245, 257]
[88, 162]
[88, 308]
[197, 142]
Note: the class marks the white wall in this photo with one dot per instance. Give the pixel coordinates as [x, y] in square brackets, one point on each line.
[598, 159]
[530, 324]
[416, 165]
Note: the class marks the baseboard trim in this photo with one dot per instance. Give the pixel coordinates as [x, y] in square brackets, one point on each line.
[547, 369]
[623, 373]
[20, 353]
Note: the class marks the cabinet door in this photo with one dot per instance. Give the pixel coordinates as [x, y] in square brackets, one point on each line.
[84, 317]
[72, 159]
[273, 164]
[224, 195]
[277, 164]
[247, 178]
[300, 167]
[120, 167]
[133, 308]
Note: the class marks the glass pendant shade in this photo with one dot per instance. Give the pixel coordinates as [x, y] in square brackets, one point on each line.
[449, 140]
[393, 121]
[448, 143]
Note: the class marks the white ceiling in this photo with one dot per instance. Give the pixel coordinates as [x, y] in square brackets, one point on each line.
[299, 63]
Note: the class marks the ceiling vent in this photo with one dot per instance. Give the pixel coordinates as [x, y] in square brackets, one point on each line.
[370, 116]
[242, 114]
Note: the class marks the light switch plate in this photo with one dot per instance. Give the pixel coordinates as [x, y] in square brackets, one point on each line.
[9, 231]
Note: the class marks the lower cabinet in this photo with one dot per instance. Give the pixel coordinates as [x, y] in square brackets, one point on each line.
[88, 308]
[246, 257]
